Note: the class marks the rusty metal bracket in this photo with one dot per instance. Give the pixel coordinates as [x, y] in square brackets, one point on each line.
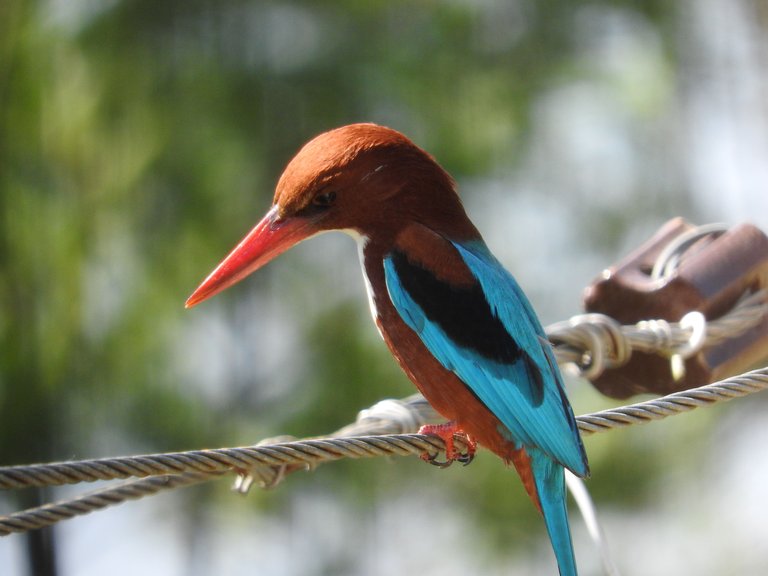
[683, 268]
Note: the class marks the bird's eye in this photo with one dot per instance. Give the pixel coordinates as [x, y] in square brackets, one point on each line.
[324, 199]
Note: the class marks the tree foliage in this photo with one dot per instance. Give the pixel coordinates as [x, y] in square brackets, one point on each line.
[139, 140]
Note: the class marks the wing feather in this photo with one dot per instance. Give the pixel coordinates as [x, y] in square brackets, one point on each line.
[524, 390]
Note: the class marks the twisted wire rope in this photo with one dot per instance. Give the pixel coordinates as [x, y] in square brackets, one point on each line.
[173, 470]
[35, 518]
[596, 342]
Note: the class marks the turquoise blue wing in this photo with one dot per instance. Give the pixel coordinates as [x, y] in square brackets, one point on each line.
[489, 336]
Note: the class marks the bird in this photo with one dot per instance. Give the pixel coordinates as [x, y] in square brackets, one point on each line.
[454, 318]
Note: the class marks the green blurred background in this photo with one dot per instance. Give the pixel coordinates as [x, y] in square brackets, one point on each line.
[139, 140]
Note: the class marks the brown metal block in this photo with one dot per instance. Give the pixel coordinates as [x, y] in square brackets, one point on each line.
[708, 273]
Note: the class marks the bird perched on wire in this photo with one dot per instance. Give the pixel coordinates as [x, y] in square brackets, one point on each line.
[456, 321]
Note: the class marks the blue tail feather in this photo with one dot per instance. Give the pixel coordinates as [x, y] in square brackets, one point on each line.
[549, 477]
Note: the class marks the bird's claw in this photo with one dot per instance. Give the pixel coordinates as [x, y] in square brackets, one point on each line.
[432, 459]
[446, 433]
[466, 458]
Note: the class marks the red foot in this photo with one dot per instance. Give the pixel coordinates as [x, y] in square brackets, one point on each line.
[446, 433]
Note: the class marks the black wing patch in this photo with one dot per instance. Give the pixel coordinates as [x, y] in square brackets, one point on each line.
[463, 313]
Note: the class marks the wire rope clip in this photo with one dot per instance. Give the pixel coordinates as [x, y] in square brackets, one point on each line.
[681, 269]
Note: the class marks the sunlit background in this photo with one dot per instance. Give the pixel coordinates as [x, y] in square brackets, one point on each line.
[139, 140]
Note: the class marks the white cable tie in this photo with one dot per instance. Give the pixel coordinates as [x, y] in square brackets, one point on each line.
[669, 259]
[596, 363]
[581, 496]
[660, 330]
[393, 410]
[696, 322]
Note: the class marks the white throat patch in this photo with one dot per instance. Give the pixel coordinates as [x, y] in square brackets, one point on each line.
[362, 241]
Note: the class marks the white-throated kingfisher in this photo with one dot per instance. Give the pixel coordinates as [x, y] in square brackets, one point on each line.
[453, 317]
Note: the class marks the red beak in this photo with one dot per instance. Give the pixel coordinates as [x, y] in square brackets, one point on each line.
[268, 239]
